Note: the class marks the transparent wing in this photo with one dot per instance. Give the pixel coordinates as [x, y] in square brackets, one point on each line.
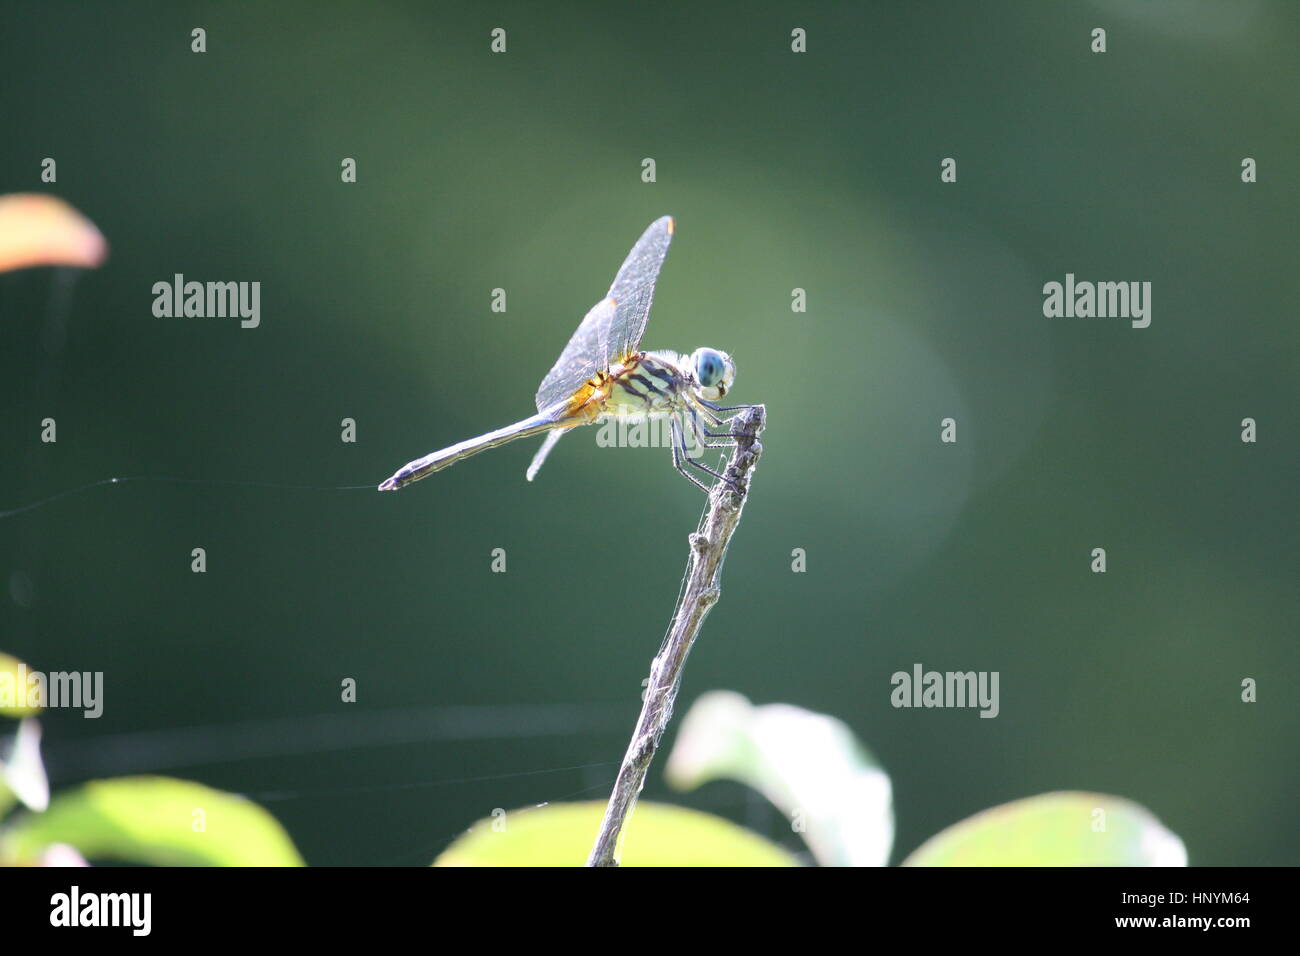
[552, 437]
[614, 326]
[634, 287]
[582, 358]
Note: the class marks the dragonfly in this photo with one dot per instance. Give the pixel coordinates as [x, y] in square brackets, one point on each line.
[603, 373]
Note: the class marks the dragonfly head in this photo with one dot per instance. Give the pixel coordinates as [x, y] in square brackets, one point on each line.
[714, 372]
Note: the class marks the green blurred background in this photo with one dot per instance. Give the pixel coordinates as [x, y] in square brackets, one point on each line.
[522, 171]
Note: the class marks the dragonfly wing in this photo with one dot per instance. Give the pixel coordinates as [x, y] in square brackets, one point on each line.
[613, 327]
[634, 288]
[582, 358]
[551, 438]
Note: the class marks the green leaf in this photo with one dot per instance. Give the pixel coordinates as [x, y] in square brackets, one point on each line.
[153, 820]
[13, 688]
[1067, 828]
[656, 834]
[809, 765]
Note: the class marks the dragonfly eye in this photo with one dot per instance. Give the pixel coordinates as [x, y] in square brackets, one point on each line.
[711, 367]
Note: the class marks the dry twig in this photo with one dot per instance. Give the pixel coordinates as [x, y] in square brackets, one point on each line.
[700, 591]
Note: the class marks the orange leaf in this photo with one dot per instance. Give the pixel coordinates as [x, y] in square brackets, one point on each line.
[40, 230]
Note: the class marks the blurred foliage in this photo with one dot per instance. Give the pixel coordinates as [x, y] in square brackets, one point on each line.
[153, 820]
[809, 765]
[22, 772]
[42, 230]
[14, 699]
[821, 779]
[836, 798]
[1056, 829]
[562, 834]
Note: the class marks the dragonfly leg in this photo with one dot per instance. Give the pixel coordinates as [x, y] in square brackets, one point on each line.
[682, 457]
[707, 438]
[710, 411]
[709, 471]
[722, 408]
[708, 415]
[679, 454]
[702, 435]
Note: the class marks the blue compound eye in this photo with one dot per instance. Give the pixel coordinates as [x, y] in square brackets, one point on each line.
[710, 367]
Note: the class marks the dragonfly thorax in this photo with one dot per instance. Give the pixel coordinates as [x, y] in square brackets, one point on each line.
[648, 383]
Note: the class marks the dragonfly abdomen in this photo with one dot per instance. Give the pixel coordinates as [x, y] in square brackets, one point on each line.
[438, 460]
